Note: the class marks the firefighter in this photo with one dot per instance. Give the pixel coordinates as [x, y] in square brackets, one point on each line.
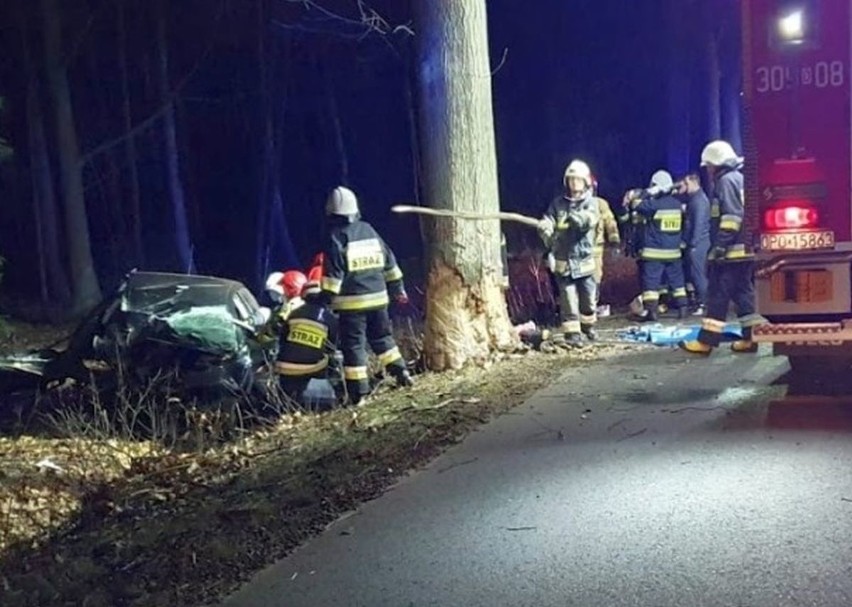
[307, 345]
[285, 290]
[315, 271]
[731, 259]
[661, 253]
[696, 239]
[606, 233]
[568, 230]
[359, 273]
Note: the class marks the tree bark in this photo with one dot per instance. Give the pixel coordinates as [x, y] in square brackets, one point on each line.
[183, 242]
[730, 87]
[53, 282]
[134, 212]
[466, 313]
[714, 78]
[86, 291]
[334, 114]
[679, 89]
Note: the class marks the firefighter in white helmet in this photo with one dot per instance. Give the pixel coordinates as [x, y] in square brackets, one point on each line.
[568, 230]
[731, 260]
[661, 265]
[359, 276]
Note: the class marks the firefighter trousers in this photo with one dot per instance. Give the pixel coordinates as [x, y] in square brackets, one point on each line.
[729, 282]
[577, 303]
[598, 275]
[357, 329]
[294, 385]
[657, 274]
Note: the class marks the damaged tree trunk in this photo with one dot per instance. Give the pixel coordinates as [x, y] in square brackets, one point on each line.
[466, 313]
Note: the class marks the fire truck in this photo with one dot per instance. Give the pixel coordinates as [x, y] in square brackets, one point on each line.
[798, 151]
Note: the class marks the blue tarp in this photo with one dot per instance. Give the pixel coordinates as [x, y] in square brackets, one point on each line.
[661, 335]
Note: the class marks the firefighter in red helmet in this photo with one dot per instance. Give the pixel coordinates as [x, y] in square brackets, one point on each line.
[285, 290]
[315, 271]
[307, 345]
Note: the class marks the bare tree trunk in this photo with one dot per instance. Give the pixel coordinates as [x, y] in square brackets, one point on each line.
[334, 113]
[679, 90]
[730, 58]
[86, 291]
[262, 253]
[53, 283]
[181, 225]
[466, 314]
[135, 205]
[714, 80]
[274, 245]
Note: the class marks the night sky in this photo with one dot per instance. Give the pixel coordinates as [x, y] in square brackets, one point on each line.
[620, 84]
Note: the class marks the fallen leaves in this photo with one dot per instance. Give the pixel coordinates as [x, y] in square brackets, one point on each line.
[147, 526]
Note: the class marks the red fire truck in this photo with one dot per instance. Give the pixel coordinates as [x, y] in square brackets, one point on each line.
[798, 154]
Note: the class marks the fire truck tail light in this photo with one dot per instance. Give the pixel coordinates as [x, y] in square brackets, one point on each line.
[791, 218]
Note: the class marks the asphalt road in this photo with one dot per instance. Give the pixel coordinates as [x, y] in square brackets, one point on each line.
[648, 480]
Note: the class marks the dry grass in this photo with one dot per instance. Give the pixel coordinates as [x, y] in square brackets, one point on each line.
[93, 515]
[131, 523]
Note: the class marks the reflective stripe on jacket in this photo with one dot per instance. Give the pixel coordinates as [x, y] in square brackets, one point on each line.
[359, 268]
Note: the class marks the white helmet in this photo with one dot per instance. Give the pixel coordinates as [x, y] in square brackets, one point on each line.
[580, 169]
[662, 180]
[274, 286]
[342, 201]
[719, 153]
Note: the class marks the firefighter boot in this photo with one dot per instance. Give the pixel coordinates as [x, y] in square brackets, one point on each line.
[590, 333]
[696, 347]
[574, 340]
[403, 378]
[744, 346]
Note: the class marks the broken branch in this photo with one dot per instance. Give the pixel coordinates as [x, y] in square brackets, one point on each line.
[501, 216]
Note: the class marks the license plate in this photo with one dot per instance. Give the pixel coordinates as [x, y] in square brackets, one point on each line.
[798, 241]
[802, 286]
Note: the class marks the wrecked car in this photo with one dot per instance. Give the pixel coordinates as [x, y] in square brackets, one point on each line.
[199, 331]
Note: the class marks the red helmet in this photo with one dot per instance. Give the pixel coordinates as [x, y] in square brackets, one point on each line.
[293, 282]
[315, 273]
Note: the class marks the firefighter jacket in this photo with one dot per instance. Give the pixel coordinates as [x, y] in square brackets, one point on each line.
[572, 239]
[728, 240]
[278, 319]
[307, 339]
[663, 231]
[696, 230]
[606, 231]
[359, 269]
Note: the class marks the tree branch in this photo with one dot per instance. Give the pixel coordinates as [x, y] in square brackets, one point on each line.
[159, 112]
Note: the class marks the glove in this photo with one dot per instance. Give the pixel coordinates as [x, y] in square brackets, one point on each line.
[401, 298]
[546, 227]
[717, 253]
